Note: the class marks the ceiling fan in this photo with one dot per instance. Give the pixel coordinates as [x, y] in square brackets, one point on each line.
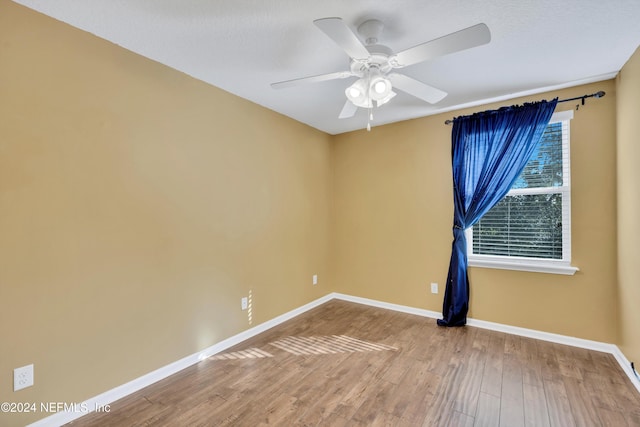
[374, 63]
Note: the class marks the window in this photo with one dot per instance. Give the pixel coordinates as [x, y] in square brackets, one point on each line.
[530, 228]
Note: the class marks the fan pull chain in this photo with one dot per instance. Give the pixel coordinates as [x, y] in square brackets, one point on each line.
[370, 117]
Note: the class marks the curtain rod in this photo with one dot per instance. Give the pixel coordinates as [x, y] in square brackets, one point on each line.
[599, 94]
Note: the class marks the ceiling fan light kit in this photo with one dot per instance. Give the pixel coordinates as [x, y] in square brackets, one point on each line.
[372, 64]
[372, 87]
[357, 94]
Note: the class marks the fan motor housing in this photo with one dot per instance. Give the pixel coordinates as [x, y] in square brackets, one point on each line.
[379, 58]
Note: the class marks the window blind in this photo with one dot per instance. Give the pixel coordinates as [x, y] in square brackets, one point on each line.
[532, 220]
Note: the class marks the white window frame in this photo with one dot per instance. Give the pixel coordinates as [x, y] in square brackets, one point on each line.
[539, 265]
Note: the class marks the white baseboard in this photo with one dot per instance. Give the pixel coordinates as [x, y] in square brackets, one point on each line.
[626, 366]
[119, 392]
[389, 306]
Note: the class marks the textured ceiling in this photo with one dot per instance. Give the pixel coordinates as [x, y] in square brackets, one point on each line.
[242, 46]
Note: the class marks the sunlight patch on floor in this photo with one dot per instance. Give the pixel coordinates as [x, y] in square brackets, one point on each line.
[327, 345]
[251, 353]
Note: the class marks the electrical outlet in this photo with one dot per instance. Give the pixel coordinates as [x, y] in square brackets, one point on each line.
[244, 303]
[315, 279]
[434, 288]
[22, 377]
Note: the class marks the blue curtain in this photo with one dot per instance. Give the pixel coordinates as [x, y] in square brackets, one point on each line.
[488, 152]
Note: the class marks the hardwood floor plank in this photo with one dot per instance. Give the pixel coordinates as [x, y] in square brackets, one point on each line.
[420, 391]
[492, 375]
[531, 363]
[513, 346]
[381, 419]
[488, 413]
[378, 402]
[512, 397]
[466, 401]
[332, 420]
[610, 391]
[548, 360]
[414, 412]
[356, 391]
[458, 419]
[536, 413]
[482, 340]
[416, 379]
[433, 376]
[558, 404]
[396, 372]
[280, 410]
[440, 408]
[569, 366]
[581, 402]
[612, 418]
[633, 419]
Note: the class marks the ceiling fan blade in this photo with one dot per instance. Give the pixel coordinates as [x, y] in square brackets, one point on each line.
[476, 35]
[348, 110]
[312, 79]
[416, 88]
[340, 33]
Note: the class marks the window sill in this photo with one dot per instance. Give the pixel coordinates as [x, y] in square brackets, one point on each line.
[524, 265]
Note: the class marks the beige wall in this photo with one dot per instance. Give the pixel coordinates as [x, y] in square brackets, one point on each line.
[628, 88]
[137, 206]
[393, 213]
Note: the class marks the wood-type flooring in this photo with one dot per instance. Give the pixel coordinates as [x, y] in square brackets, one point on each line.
[346, 364]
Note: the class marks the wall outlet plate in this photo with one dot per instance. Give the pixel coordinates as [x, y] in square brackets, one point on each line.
[315, 279]
[22, 377]
[434, 288]
[244, 303]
